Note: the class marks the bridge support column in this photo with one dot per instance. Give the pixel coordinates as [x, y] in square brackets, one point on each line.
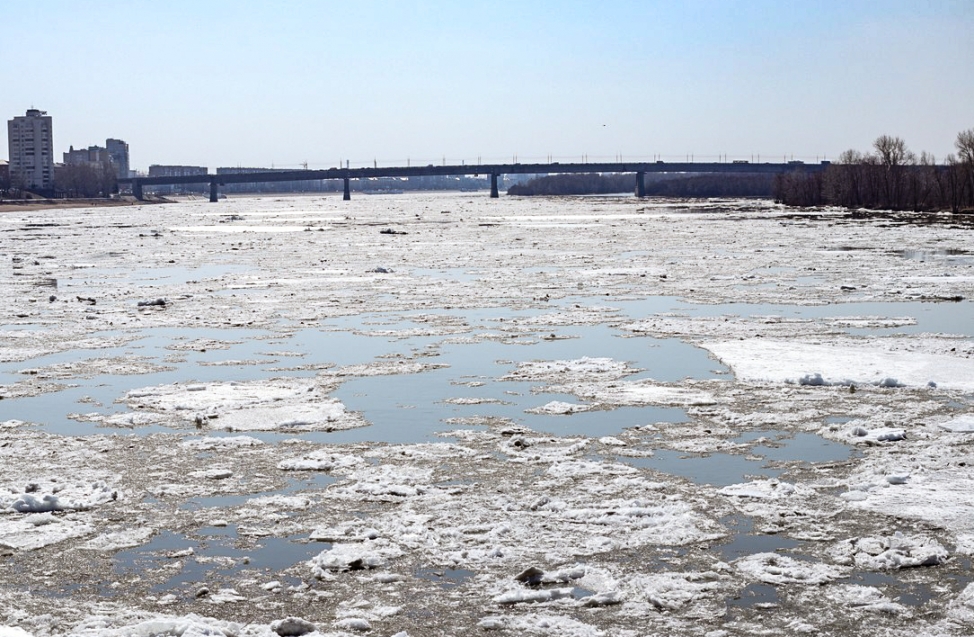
[137, 189]
[493, 186]
[214, 194]
[347, 195]
[640, 184]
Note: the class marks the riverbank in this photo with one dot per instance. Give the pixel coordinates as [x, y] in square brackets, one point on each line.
[20, 205]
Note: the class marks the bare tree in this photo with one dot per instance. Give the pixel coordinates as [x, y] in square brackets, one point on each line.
[893, 154]
[965, 150]
[965, 145]
[844, 180]
[85, 180]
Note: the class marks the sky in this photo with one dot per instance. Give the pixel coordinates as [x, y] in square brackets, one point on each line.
[287, 83]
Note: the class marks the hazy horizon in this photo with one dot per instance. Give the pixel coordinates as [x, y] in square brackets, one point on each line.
[253, 84]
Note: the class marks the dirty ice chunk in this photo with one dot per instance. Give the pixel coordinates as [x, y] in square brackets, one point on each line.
[320, 460]
[772, 568]
[212, 442]
[584, 368]
[527, 595]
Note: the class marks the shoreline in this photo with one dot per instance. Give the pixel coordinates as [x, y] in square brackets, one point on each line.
[22, 205]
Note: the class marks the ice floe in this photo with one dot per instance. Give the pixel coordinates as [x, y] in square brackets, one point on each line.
[763, 360]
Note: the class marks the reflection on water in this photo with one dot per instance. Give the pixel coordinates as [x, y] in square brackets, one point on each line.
[479, 346]
[761, 460]
[447, 578]
[945, 257]
[212, 556]
[401, 408]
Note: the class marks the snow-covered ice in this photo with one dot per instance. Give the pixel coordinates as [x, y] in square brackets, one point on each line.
[210, 465]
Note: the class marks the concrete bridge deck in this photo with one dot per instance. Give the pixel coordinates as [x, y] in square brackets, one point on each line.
[639, 169]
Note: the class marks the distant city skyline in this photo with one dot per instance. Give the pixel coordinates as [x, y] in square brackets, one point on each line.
[283, 84]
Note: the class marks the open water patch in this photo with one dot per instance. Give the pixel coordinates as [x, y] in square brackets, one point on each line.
[753, 596]
[446, 578]
[746, 541]
[909, 588]
[949, 256]
[412, 407]
[772, 454]
[213, 556]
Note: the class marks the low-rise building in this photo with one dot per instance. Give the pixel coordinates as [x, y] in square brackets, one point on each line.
[93, 155]
[157, 170]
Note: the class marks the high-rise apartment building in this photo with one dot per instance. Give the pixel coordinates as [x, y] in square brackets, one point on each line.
[30, 140]
[118, 152]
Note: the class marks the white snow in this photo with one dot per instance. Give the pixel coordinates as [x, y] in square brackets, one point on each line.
[891, 552]
[851, 363]
[772, 568]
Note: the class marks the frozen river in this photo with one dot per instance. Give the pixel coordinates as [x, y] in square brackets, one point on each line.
[437, 414]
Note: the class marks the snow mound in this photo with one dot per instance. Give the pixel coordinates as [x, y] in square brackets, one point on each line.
[558, 408]
[353, 557]
[292, 627]
[59, 497]
[879, 434]
[889, 553]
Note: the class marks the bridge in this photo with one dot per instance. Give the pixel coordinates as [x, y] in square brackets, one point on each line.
[639, 169]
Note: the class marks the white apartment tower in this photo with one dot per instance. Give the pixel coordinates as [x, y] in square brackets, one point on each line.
[31, 145]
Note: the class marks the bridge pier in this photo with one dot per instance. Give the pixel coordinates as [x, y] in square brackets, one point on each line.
[640, 184]
[214, 194]
[347, 195]
[493, 186]
[137, 190]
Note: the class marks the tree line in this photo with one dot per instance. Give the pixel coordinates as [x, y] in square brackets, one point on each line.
[88, 180]
[892, 177]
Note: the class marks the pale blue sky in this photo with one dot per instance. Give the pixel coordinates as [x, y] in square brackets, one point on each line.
[242, 83]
